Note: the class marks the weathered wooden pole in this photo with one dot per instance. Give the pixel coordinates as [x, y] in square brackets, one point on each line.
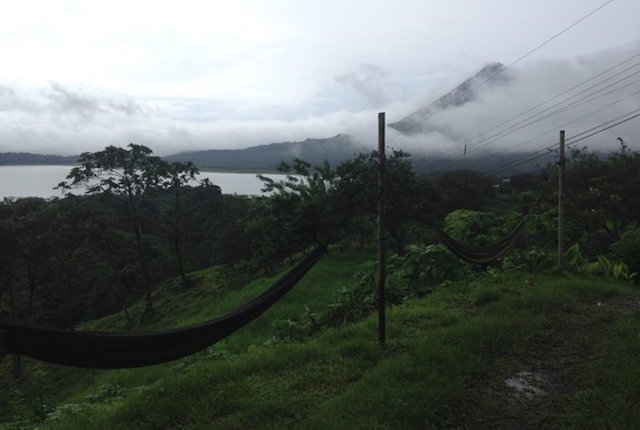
[561, 167]
[382, 251]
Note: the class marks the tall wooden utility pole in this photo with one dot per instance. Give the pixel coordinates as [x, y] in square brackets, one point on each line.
[382, 251]
[561, 166]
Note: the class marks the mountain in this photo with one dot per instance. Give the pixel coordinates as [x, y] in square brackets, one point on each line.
[417, 122]
[267, 157]
[27, 158]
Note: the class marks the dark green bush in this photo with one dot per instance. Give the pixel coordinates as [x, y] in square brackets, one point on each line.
[627, 250]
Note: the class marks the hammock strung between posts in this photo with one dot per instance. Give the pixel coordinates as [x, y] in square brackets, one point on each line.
[125, 350]
[489, 253]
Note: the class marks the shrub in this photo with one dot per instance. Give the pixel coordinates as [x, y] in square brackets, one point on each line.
[414, 274]
[627, 249]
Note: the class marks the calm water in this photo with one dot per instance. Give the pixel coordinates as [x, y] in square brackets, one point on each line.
[38, 181]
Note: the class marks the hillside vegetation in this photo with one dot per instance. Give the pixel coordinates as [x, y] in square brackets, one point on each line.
[518, 343]
[451, 361]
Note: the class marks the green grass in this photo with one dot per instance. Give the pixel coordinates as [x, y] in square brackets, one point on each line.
[444, 366]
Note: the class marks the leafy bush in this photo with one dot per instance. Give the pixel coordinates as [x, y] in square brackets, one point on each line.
[422, 268]
[472, 226]
[603, 266]
[418, 272]
[532, 259]
[627, 249]
[297, 329]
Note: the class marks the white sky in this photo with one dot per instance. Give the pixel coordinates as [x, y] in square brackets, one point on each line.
[79, 75]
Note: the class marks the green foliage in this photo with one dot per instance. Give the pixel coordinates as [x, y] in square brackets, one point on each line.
[532, 259]
[86, 259]
[444, 366]
[470, 226]
[26, 405]
[416, 273]
[464, 189]
[627, 249]
[601, 201]
[297, 329]
[603, 266]
[574, 259]
[423, 268]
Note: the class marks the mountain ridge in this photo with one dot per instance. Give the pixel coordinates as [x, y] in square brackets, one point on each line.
[267, 157]
[416, 122]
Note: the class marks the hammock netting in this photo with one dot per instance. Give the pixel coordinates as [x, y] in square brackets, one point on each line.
[489, 253]
[125, 350]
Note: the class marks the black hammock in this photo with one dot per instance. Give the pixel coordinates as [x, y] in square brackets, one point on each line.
[489, 253]
[123, 350]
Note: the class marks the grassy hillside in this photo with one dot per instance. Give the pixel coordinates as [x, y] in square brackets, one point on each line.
[510, 350]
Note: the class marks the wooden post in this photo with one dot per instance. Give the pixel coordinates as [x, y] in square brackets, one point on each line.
[382, 263]
[561, 167]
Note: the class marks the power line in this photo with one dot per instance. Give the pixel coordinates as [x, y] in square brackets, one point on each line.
[574, 104]
[594, 95]
[522, 57]
[605, 129]
[574, 139]
[553, 98]
[484, 137]
[574, 121]
[532, 118]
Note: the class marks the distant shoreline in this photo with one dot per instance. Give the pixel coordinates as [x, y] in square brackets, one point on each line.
[204, 169]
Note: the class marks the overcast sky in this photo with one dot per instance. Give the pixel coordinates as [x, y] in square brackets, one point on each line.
[79, 75]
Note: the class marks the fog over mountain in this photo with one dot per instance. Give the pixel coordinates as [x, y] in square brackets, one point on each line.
[417, 122]
[67, 119]
[525, 109]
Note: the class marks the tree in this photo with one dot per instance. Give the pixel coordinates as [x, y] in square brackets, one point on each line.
[27, 243]
[126, 174]
[601, 197]
[407, 198]
[317, 203]
[464, 189]
[175, 176]
[298, 212]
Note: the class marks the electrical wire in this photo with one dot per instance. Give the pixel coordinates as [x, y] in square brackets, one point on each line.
[571, 141]
[532, 118]
[590, 97]
[568, 90]
[522, 57]
[620, 100]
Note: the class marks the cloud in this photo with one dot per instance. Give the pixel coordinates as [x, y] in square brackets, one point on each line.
[79, 101]
[369, 82]
[542, 98]
[69, 119]
[69, 101]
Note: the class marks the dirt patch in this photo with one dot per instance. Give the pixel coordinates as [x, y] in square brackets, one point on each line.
[531, 383]
[619, 302]
[535, 381]
[528, 385]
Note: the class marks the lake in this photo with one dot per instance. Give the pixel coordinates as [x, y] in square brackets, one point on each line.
[38, 181]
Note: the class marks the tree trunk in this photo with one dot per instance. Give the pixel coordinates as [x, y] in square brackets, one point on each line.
[17, 368]
[13, 309]
[148, 310]
[398, 240]
[176, 241]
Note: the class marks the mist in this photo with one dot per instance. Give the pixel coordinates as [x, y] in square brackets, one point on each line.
[67, 118]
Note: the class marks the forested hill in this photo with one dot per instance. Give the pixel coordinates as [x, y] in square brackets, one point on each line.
[27, 158]
[340, 148]
[267, 157]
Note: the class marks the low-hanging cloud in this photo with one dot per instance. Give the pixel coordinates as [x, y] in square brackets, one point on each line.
[369, 82]
[69, 119]
[527, 114]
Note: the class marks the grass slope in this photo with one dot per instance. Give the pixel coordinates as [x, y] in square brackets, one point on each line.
[450, 362]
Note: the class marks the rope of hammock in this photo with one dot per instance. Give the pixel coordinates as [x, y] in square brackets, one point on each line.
[125, 350]
[489, 253]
